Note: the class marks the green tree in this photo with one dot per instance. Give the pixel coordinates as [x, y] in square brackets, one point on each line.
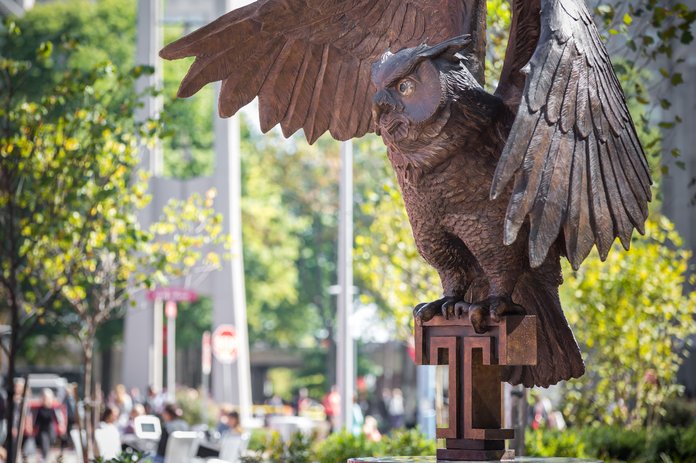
[50, 177]
[95, 25]
[120, 260]
[388, 267]
[633, 321]
[73, 250]
[290, 201]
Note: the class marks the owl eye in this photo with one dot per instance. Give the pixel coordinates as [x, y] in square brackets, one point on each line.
[406, 87]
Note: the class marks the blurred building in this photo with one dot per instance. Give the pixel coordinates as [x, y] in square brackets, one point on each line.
[14, 7]
[143, 364]
[679, 185]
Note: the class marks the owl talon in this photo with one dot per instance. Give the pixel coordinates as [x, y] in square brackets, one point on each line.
[479, 313]
[492, 308]
[448, 307]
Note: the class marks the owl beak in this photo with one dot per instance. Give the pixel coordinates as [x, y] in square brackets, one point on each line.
[381, 102]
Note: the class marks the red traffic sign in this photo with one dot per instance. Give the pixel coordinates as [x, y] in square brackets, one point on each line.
[207, 354]
[172, 294]
[225, 344]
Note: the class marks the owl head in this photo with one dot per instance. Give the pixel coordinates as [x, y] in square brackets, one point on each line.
[412, 88]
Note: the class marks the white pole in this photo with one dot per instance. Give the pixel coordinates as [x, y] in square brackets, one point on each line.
[345, 352]
[142, 344]
[206, 366]
[227, 142]
[171, 352]
[149, 44]
[157, 348]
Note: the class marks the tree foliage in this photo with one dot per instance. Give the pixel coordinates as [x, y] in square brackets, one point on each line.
[72, 250]
[61, 151]
[391, 272]
[633, 321]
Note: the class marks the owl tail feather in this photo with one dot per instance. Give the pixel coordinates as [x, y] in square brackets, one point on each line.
[558, 354]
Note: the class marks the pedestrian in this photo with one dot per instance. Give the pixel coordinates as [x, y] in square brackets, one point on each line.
[358, 417]
[223, 425]
[233, 424]
[154, 401]
[124, 402]
[171, 416]
[332, 407]
[47, 423]
[396, 409]
[70, 411]
[371, 429]
[138, 410]
[109, 417]
[303, 401]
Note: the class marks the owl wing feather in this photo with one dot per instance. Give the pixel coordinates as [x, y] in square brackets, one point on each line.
[309, 61]
[573, 150]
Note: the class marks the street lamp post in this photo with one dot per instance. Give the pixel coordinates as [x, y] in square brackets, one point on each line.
[345, 351]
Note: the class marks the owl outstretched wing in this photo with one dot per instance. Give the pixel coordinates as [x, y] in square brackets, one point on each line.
[573, 151]
[309, 61]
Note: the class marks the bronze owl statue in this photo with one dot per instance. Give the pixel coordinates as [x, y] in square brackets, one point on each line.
[498, 187]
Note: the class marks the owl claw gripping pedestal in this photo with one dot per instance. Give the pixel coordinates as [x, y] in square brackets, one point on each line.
[498, 186]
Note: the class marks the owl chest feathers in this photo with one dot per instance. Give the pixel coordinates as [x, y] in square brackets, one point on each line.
[450, 174]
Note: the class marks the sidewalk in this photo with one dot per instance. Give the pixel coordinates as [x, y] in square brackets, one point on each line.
[69, 456]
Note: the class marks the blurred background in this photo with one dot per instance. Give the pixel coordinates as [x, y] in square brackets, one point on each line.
[159, 261]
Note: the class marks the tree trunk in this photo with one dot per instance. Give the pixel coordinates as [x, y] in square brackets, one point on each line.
[331, 358]
[10, 410]
[106, 367]
[88, 351]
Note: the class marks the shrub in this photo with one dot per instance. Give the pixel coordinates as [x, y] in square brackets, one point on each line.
[687, 443]
[617, 444]
[258, 441]
[127, 456]
[407, 442]
[194, 409]
[614, 443]
[679, 412]
[339, 447]
[554, 444]
[633, 319]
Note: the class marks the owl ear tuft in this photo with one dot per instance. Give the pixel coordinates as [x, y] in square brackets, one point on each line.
[450, 50]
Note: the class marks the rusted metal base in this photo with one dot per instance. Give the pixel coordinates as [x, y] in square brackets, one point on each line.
[475, 361]
[475, 455]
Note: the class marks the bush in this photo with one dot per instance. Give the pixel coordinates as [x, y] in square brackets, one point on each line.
[127, 456]
[195, 410]
[616, 444]
[688, 443]
[258, 441]
[554, 444]
[679, 412]
[339, 447]
[633, 319]
[407, 442]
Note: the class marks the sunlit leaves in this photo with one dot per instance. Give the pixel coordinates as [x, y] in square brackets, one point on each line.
[632, 320]
[188, 241]
[71, 244]
[392, 273]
